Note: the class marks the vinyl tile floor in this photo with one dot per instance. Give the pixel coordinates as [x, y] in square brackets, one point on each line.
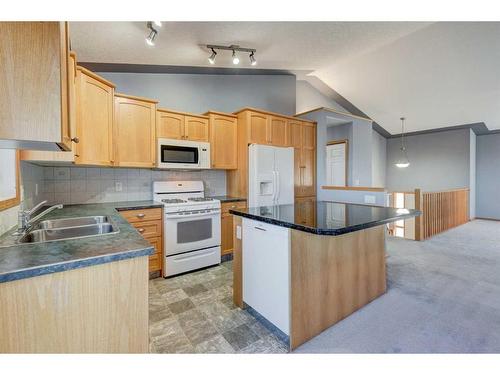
[194, 313]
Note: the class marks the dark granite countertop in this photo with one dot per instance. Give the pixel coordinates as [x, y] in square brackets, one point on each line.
[228, 198]
[19, 261]
[330, 218]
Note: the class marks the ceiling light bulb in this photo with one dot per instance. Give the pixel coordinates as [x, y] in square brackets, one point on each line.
[253, 61]
[150, 40]
[211, 59]
[157, 23]
[236, 60]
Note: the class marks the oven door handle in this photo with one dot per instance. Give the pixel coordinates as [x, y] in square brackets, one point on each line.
[177, 216]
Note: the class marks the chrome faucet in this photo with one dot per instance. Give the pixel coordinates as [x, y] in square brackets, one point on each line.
[24, 220]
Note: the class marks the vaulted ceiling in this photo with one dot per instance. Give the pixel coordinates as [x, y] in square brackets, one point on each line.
[435, 74]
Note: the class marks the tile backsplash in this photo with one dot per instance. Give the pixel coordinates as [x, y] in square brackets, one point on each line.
[73, 185]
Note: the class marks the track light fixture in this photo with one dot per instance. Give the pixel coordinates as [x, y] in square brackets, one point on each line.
[211, 59]
[234, 48]
[150, 39]
[253, 62]
[236, 59]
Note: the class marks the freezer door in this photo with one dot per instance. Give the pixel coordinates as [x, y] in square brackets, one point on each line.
[261, 176]
[283, 167]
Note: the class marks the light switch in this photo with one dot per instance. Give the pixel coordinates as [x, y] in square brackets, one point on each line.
[238, 232]
[118, 186]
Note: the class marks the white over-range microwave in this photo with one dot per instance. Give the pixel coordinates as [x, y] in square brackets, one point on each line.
[179, 154]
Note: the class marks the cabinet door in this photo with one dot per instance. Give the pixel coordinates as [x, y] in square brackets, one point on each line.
[258, 128]
[223, 141]
[196, 128]
[308, 166]
[94, 121]
[278, 131]
[135, 122]
[170, 125]
[295, 133]
[33, 82]
[308, 160]
[226, 234]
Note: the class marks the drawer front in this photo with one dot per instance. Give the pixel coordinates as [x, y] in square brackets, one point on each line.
[225, 207]
[149, 228]
[138, 216]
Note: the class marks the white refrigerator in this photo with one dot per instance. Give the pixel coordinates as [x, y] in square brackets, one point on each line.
[270, 175]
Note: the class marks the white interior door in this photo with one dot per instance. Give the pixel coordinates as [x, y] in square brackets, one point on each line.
[261, 176]
[336, 164]
[283, 164]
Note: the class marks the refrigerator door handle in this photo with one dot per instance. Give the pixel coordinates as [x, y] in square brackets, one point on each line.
[274, 187]
[277, 186]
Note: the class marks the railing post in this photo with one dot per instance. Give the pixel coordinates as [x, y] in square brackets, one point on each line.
[419, 219]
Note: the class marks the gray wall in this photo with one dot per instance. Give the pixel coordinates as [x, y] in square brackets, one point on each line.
[198, 93]
[309, 98]
[438, 161]
[360, 148]
[488, 176]
[472, 173]
[379, 160]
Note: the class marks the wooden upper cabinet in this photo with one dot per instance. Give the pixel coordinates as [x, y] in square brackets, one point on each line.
[258, 128]
[34, 83]
[134, 131]
[278, 130]
[169, 125]
[223, 133]
[196, 128]
[94, 119]
[178, 125]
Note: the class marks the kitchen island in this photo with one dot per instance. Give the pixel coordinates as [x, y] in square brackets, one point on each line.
[302, 278]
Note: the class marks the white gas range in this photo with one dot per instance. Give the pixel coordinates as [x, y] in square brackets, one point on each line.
[191, 226]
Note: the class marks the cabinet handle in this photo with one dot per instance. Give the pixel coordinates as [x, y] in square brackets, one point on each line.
[140, 230]
[140, 216]
[262, 229]
[75, 139]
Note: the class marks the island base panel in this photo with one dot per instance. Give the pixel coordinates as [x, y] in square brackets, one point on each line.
[97, 309]
[333, 276]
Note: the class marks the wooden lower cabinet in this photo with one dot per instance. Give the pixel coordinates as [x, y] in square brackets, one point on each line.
[305, 211]
[149, 223]
[95, 309]
[227, 225]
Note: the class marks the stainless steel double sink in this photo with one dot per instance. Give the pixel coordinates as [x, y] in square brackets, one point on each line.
[69, 228]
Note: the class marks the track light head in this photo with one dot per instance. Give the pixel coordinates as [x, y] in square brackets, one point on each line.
[150, 40]
[253, 61]
[236, 59]
[211, 59]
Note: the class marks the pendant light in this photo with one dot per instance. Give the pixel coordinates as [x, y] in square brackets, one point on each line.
[403, 161]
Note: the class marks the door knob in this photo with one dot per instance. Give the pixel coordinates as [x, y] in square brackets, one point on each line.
[75, 139]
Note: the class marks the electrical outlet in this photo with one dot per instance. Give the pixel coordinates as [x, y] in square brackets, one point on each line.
[370, 199]
[118, 186]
